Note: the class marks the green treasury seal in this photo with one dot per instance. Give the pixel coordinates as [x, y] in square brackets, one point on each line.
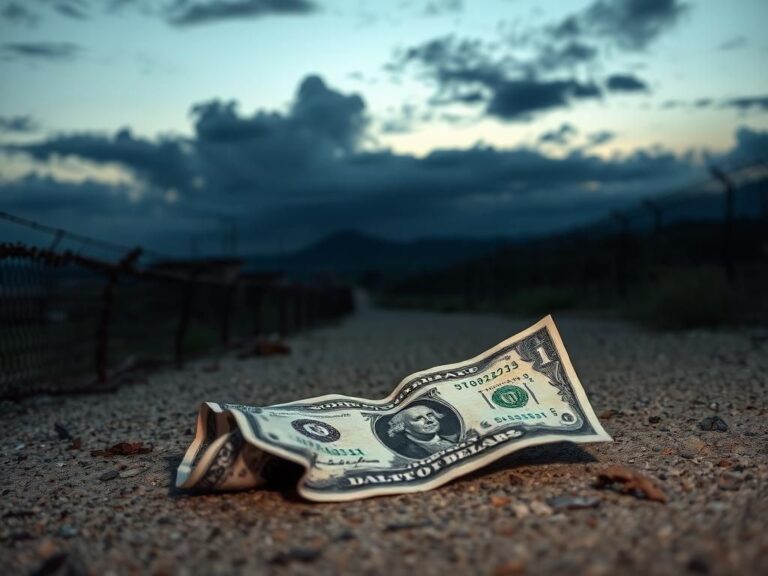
[510, 397]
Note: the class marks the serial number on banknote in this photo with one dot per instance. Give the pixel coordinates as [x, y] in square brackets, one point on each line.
[483, 378]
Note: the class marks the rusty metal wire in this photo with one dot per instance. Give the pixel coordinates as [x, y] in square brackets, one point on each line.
[68, 322]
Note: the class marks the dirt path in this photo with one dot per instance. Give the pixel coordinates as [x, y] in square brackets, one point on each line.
[67, 506]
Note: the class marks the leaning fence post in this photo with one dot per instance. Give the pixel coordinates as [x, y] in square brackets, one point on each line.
[105, 318]
[226, 312]
[181, 328]
[730, 192]
[657, 213]
[622, 253]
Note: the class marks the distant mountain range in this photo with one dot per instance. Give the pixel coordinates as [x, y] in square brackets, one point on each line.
[350, 255]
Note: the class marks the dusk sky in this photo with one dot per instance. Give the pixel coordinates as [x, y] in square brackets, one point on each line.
[159, 122]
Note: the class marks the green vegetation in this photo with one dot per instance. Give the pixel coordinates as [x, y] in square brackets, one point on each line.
[685, 298]
[540, 301]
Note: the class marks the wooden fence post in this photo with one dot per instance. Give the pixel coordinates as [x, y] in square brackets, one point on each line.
[727, 238]
[183, 325]
[105, 317]
[622, 253]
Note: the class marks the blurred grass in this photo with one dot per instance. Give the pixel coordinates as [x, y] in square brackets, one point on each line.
[671, 298]
[682, 298]
[540, 301]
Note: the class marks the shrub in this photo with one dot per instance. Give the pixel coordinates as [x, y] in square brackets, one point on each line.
[685, 298]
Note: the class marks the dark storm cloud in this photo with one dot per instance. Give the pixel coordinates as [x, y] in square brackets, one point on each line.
[518, 99]
[403, 121]
[741, 103]
[17, 13]
[189, 12]
[75, 9]
[464, 71]
[561, 136]
[297, 150]
[318, 113]
[570, 54]
[747, 102]
[440, 7]
[52, 51]
[630, 24]
[19, 124]
[625, 83]
[733, 43]
[164, 162]
[113, 212]
[600, 137]
[451, 60]
[324, 111]
[293, 176]
[751, 146]
[45, 195]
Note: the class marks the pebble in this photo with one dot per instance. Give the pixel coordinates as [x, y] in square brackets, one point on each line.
[573, 502]
[713, 423]
[729, 481]
[131, 472]
[298, 554]
[521, 510]
[109, 475]
[397, 526]
[540, 508]
[67, 531]
[692, 446]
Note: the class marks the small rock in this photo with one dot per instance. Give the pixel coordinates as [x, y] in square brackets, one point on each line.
[521, 510]
[573, 502]
[67, 531]
[305, 555]
[396, 526]
[61, 563]
[540, 508]
[124, 449]
[713, 423]
[729, 481]
[628, 481]
[499, 501]
[692, 447]
[698, 564]
[62, 432]
[46, 548]
[110, 475]
[511, 568]
[131, 472]
[515, 480]
[345, 536]
[654, 419]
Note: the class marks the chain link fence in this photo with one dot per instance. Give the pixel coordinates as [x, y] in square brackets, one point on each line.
[705, 246]
[70, 322]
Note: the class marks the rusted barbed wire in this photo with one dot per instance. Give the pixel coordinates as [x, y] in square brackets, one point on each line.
[66, 319]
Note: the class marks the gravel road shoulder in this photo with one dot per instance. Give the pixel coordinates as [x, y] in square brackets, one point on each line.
[537, 511]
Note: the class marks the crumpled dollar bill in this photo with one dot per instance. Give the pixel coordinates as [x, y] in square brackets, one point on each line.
[436, 425]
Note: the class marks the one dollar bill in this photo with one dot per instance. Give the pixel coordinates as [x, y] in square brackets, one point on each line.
[436, 425]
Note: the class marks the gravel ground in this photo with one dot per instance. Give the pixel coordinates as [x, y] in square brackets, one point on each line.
[536, 511]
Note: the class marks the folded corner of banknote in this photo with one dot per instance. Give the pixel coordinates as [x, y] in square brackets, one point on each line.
[436, 425]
